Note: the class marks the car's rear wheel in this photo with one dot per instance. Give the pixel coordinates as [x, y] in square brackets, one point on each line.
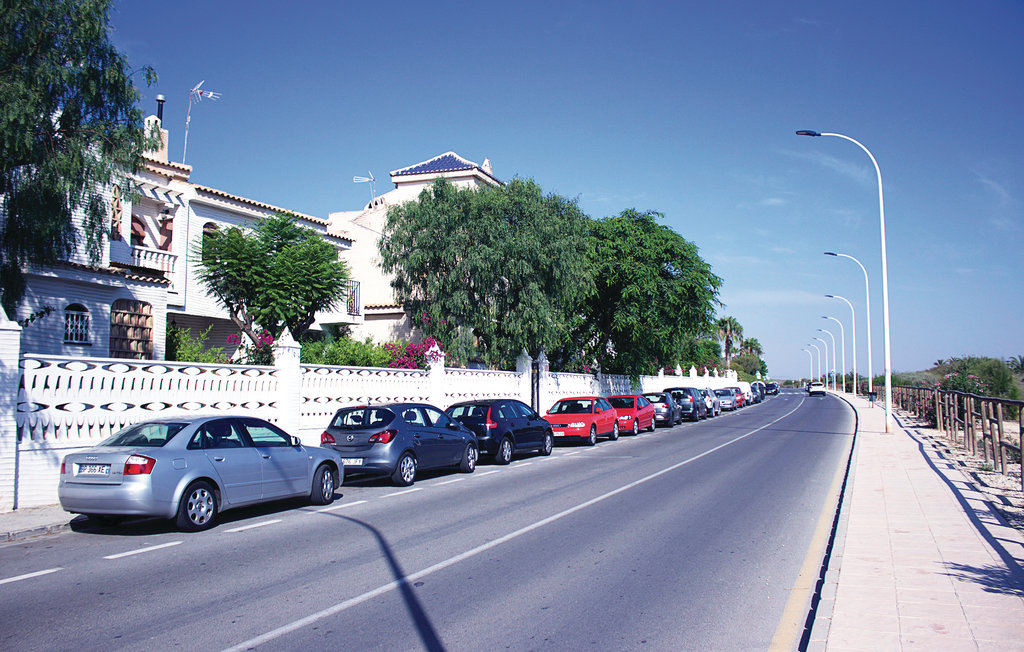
[198, 507]
[592, 437]
[469, 457]
[636, 427]
[504, 454]
[548, 444]
[405, 471]
[322, 492]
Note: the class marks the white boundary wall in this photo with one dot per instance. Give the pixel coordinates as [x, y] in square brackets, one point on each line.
[54, 405]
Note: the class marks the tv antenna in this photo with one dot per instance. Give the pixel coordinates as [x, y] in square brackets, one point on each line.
[370, 180]
[198, 94]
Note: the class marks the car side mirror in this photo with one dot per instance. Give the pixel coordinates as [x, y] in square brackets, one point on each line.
[295, 440]
[454, 425]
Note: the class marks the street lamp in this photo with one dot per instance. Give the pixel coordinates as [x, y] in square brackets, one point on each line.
[842, 341]
[867, 305]
[885, 275]
[834, 347]
[853, 337]
[810, 363]
[818, 349]
[824, 347]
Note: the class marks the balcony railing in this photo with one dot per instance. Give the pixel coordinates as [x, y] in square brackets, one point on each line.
[154, 259]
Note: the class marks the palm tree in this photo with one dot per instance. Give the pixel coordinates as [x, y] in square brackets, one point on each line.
[1016, 363]
[729, 331]
[752, 346]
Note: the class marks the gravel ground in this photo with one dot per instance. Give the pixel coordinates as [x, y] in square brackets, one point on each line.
[1003, 489]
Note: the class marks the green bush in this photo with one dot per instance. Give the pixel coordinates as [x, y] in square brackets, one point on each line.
[344, 351]
[181, 347]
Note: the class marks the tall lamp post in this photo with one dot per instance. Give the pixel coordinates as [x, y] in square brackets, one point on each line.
[834, 347]
[885, 275]
[818, 349]
[853, 337]
[810, 363]
[824, 347]
[867, 306]
[842, 342]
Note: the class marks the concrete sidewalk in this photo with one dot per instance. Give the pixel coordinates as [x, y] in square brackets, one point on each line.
[921, 561]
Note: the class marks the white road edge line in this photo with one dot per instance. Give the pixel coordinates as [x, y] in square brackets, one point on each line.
[142, 550]
[341, 506]
[243, 528]
[28, 576]
[451, 561]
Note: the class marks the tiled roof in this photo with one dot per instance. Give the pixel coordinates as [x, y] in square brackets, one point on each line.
[127, 271]
[447, 162]
[257, 204]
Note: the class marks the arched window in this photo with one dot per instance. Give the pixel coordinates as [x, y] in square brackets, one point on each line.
[208, 229]
[76, 324]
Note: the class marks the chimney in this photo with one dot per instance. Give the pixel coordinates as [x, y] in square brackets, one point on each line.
[156, 122]
[160, 108]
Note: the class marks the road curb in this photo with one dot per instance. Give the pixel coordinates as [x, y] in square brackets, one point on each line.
[823, 602]
[28, 533]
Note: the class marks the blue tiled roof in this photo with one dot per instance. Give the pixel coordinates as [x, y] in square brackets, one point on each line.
[447, 162]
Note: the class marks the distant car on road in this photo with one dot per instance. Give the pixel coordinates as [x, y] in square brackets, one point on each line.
[504, 427]
[398, 439]
[192, 468]
[690, 402]
[666, 412]
[634, 412]
[771, 388]
[583, 417]
[726, 398]
[816, 389]
[711, 401]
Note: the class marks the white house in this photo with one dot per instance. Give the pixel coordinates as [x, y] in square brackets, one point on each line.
[145, 277]
[383, 317]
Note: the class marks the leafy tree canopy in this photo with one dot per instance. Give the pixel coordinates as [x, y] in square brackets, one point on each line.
[69, 128]
[277, 275]
[491, 271]
[652, 290]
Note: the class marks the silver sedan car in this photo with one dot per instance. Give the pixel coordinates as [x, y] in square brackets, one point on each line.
[191, 468]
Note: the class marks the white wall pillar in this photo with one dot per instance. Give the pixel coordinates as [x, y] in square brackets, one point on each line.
[10, 378]
[435, 362]
[289, 385]
[524, 367]
[543, 383]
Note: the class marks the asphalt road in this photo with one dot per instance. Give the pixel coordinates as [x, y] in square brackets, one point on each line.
[689, 538]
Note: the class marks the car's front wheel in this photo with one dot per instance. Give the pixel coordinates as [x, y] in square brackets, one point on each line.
[636, 427]
[615, 431]
[469, 457]
[592, 437]
[198, 507]
[653, 425]
[405, 471]
[322, 492]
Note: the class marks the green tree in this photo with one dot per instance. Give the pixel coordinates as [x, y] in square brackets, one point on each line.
[652, 290]
[276, 275]
[750, 364]
[700, 352]
[729, 333]
[752, 346]
[182, 347]
[489, 272]
[69, 129]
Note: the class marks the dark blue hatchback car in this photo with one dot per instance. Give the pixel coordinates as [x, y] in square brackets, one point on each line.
[504, 427]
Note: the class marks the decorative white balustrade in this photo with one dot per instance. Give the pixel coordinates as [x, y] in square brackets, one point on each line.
[154, 259]
[327, 388]
[469, 384]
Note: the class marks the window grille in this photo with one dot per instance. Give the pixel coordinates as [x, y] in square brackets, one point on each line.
[117, 213]
[352, 303]
[76, 324]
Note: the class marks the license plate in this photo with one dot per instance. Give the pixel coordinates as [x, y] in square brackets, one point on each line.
[558, 433]
[93, 469]
[352, 461]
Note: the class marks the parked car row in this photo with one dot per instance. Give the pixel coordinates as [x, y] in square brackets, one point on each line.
[190, 469]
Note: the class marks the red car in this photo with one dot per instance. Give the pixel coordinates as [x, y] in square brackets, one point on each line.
[740, 398]
[584, 417]
[633, 411]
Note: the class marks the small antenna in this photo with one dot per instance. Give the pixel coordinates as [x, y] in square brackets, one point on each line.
[370, 180]
[198, 94]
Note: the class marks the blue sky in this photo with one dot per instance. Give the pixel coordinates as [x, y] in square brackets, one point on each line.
[685, 108]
